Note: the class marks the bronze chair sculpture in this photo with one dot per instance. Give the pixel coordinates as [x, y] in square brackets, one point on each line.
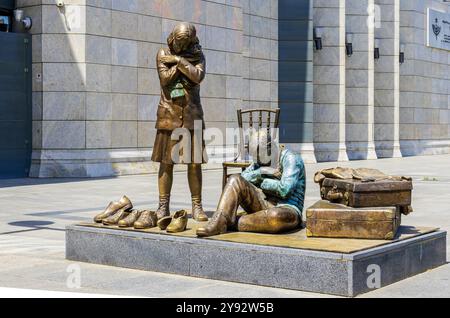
[266, 118]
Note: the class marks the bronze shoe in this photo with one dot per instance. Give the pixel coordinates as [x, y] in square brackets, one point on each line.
[179, 222]
[146, 220]
[113, 208]
[164, 222]
[218, 225]
[164, 207]
[130, 219]
[198, 213]
[116, 218]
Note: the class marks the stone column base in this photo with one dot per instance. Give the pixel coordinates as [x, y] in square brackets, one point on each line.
[110, 162]
[424, 147]
[306, 150]
[330, 152]
[361, 151]
[91, 163]
[388, 149]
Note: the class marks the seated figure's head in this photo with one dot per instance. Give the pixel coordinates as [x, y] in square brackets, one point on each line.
[260, 147]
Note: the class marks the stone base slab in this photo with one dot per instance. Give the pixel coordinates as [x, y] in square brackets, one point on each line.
[95, 163]
[307, 270]
[424, 147]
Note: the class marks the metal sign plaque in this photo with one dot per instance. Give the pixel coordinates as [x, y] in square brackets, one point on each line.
[438, 35]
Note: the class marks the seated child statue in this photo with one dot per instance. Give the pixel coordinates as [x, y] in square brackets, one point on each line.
[272, 198]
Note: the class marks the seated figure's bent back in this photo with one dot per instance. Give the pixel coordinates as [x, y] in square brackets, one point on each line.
[272, 198]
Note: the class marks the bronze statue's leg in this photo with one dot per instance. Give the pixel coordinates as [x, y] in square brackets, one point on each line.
[238, 191]
[195, 179]
[273, 221]
[165, 181]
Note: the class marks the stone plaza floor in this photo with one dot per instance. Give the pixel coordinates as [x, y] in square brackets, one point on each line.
[34, 213]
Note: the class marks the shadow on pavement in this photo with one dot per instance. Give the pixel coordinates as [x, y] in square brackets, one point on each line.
[30, 226]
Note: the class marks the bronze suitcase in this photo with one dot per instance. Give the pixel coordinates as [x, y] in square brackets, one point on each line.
[360, 194]
[325, 219]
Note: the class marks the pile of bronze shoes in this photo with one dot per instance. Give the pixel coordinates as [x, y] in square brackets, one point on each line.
[122, 214]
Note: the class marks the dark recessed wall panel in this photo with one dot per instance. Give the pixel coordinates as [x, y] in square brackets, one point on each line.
[15, 105]
[295, 70]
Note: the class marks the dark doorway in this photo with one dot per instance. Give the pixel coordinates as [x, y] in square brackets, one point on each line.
[15, 105]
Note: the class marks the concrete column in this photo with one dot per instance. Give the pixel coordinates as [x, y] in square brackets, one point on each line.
[360, 81]
[387, 80]
[329, 82]
[59, 88]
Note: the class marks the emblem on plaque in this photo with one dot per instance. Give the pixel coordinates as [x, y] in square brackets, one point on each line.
[437, 29]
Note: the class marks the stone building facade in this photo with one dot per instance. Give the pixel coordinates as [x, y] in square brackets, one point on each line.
[424, 84]
[96, 90]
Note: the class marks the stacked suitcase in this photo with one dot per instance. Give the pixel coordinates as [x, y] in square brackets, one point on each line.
[359, 203]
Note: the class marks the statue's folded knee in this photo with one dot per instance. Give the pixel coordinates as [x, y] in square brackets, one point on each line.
[235, 179]
[281, 220]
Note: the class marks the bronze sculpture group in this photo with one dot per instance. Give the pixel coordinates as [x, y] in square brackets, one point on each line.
[272, 198]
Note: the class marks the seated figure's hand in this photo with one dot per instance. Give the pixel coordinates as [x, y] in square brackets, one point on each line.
[269, 172]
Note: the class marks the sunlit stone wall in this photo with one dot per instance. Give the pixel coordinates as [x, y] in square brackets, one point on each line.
[96, 89]
[424, 84]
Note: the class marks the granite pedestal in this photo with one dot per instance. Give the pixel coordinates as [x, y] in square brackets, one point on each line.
[331, 266]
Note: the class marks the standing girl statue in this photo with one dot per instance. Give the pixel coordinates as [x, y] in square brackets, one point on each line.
[181, 69]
